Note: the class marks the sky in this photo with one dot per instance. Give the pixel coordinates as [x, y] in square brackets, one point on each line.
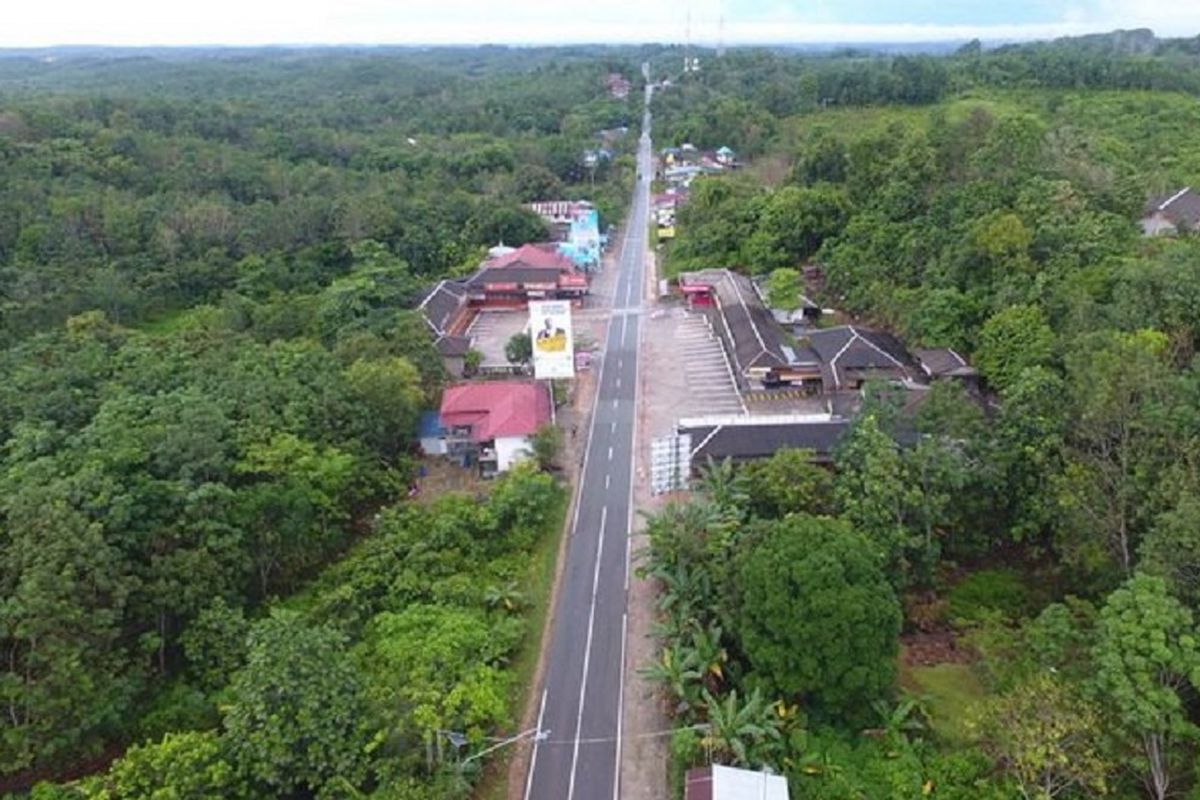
[38, 23]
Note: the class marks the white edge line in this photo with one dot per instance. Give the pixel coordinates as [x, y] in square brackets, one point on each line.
[587, 454]
[587, 652]
[620, 708]
[536, 742]
[633, 453]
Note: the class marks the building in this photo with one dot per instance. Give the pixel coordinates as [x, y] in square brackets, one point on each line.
[1176, 213]
[748, 438]
[492, 423]
[530, 272]
[719, 782]
[618, 85]
[764, 354]
[575, 225]
[757, 347]
[944, 363]
[848, 356]
[444, 309]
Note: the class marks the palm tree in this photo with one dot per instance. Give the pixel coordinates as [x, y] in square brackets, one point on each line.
[724, 486]
[506, 596]
[678, 670]
[711, 656]
[899, 720]
[742, 733]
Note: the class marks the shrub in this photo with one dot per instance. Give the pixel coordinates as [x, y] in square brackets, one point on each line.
[989, 590]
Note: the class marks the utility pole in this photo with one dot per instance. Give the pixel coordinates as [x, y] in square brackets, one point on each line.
[687, 41]
[721, 32]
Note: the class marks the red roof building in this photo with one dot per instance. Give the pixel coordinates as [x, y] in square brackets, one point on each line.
[533, 256]
[531, 272]
[496, 409]
[496, 416]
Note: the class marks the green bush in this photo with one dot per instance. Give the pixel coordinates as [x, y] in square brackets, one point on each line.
[989, 590]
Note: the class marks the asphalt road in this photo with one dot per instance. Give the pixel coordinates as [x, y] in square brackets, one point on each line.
[579, 751]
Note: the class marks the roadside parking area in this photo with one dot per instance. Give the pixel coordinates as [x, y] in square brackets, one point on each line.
[491, 329]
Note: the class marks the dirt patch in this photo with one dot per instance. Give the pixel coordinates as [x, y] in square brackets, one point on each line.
[443, 476]
[925, 649]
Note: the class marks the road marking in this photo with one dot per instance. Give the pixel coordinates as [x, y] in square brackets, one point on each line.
[607, 480]
[612, 427]
[618, 383]
[620, 708]
[587, 653]
[614, 402]
[610, 452]
[536, 741]
[620, 363]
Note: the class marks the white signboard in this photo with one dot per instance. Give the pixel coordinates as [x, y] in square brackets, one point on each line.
[553, 347]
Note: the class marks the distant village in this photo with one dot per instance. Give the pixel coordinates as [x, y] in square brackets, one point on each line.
[784, 377]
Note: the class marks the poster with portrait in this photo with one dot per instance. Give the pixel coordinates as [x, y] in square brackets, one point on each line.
[553, 346]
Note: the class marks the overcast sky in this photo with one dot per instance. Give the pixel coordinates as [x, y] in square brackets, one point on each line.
[240, 22]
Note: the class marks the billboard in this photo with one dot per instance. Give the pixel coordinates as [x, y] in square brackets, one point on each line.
[553, 347]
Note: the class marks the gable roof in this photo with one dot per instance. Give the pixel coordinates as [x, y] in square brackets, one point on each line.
[452, 346]
[496, 408]
[848, 347]
[943, 362]
[760, 437]
[541, 256]
[522, 276]
[753, 337]
[442, 304]
[1180, 208]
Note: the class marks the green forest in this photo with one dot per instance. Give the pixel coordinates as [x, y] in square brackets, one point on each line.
[211, 577]
[214, 582]
[989, 596]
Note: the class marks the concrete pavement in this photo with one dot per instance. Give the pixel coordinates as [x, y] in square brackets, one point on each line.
[577, 756]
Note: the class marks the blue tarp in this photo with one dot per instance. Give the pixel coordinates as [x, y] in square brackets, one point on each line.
[430, 425]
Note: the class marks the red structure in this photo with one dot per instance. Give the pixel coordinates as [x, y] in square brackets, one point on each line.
[531, 272]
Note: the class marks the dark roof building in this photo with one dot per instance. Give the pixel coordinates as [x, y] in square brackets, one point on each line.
[1174, 213]
[452, 346]
[752, 338]
[442, 306]
[849, 356]
[749, 438]
[943, 362]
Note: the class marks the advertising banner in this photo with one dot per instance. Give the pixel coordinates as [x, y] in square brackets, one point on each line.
[553, 346]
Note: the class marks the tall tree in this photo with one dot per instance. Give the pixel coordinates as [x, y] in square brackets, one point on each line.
[1147, 655]
[297, 716]
[817, 617]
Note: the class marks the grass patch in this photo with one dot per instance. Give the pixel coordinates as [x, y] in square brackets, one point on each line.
[183, 319]
[989, 591]
[951, 691]
[539, 581]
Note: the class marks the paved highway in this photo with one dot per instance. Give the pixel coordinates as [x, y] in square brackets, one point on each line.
[578, 756]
